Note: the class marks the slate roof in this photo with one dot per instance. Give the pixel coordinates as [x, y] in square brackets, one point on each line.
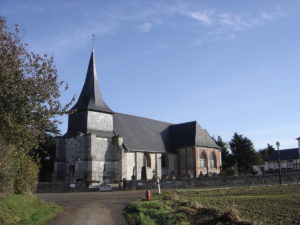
[285, 154]
[191, 133]
[90, 97]
[142, 134]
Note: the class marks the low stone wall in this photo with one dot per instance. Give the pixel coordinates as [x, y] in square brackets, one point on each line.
[202, 182]
[60, 187]
[216, 181]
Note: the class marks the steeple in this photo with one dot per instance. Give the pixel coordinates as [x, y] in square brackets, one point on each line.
[90, 97]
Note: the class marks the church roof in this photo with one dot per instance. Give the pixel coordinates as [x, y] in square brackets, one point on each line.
[90, 97]
[142, 134]
[191, 133]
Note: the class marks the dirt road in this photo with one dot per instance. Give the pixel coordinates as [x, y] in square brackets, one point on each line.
[91, 208]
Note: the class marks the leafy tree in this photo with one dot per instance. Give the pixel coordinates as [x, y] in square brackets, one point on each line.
[227, 158]
[29, 100]
[262, 154]
[44, 155]
[29, 92]
[244, 153]
[267, 151]
[6, 167]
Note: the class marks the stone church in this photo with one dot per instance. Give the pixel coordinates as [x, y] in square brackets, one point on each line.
[103, 145]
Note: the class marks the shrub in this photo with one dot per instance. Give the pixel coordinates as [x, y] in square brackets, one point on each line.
[7, 172]
[26, 175]
[18, 172]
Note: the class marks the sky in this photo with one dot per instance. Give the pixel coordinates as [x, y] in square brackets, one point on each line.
[234, 65]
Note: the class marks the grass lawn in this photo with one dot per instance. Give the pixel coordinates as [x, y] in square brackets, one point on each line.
[247, 205]
[25, 209]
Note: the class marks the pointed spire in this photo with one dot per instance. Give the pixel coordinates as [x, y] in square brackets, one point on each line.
[90, 97]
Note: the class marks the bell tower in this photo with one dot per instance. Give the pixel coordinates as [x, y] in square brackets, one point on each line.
[90, 114]
[86, 152]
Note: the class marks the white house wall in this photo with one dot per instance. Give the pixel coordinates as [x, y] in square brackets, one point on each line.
[273, 165]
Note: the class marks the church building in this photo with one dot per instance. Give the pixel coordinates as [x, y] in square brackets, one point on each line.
[103, 145]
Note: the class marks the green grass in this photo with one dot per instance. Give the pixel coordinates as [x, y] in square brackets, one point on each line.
[269, 205]
[26, 209]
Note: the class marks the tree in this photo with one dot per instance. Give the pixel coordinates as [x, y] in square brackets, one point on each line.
[44, 155]
[227, 158]
[29, 96]
[244, 153]
[262, 154]
[29, 92]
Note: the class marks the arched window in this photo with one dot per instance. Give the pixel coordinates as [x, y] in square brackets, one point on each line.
[213, 160]
[147, 160]
[203, 161]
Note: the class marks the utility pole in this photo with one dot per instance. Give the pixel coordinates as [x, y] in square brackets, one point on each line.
[279, 173]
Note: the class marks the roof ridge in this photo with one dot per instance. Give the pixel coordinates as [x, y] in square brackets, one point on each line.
[144, 118]
[287, 149]
[190, 122]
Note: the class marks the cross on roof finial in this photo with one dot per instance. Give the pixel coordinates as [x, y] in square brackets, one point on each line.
[93, 39]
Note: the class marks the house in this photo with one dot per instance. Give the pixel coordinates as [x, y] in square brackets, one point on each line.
[103, 145]
[289, 160]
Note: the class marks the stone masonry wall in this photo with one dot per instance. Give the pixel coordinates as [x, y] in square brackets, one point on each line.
[75, 157]
[100, 163]
[216, 181]
[135, 162]
[203, 182]
[99, 121]
[207, 152]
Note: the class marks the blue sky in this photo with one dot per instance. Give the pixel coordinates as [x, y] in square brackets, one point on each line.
[231, 65]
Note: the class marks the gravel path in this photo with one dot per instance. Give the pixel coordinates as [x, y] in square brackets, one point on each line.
[91, 208]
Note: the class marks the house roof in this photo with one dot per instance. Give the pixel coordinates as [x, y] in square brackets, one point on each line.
[90, 97]
[285, 154]
[143, 134]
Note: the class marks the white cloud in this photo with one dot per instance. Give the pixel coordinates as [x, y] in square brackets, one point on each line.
[146, 27]
[225, 25]
[219, 25]
[272, 14]
[236, 22]
[222, 24]
[205, 16]
[266, 15]
[217, 20]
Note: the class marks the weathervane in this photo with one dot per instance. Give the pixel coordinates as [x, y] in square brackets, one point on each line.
[93, 39]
